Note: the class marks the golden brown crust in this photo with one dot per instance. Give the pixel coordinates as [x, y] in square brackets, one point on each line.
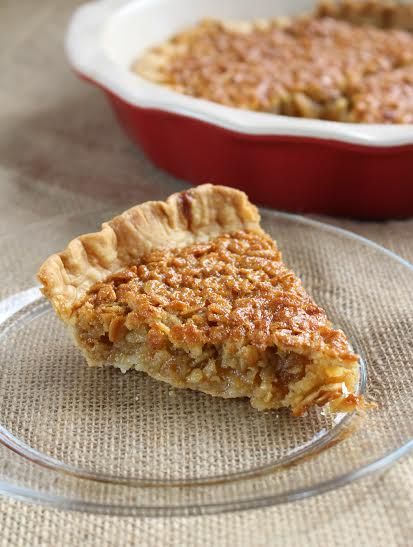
[195, 215]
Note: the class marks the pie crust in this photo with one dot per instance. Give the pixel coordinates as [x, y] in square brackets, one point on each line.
[194, 292]
[184, 218]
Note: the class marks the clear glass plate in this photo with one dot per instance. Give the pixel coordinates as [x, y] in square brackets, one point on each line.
[99, 440]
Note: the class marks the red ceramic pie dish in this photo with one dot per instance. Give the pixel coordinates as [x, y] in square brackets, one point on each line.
[296, 164]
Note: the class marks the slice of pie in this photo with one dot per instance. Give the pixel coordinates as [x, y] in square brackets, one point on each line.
[193, 292]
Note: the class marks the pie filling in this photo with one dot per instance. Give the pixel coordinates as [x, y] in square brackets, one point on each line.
[225, 317]
[350, 61]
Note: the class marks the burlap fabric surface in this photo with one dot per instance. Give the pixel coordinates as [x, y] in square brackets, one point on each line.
[62, 151]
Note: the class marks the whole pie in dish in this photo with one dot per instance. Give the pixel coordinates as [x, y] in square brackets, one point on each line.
[347, 61]
[193, 292]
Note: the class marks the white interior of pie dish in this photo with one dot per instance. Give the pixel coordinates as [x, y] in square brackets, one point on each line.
[105, 37]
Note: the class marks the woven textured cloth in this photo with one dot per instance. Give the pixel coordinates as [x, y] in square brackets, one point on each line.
[62, 151]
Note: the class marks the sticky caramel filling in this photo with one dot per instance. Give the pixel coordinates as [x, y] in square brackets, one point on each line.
[225, 317]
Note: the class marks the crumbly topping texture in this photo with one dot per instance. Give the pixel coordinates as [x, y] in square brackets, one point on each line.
[386, 97]
[318, 66]
[234, 287]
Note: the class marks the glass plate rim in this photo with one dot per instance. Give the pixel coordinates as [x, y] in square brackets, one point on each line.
[59, 502]
[380, 464]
